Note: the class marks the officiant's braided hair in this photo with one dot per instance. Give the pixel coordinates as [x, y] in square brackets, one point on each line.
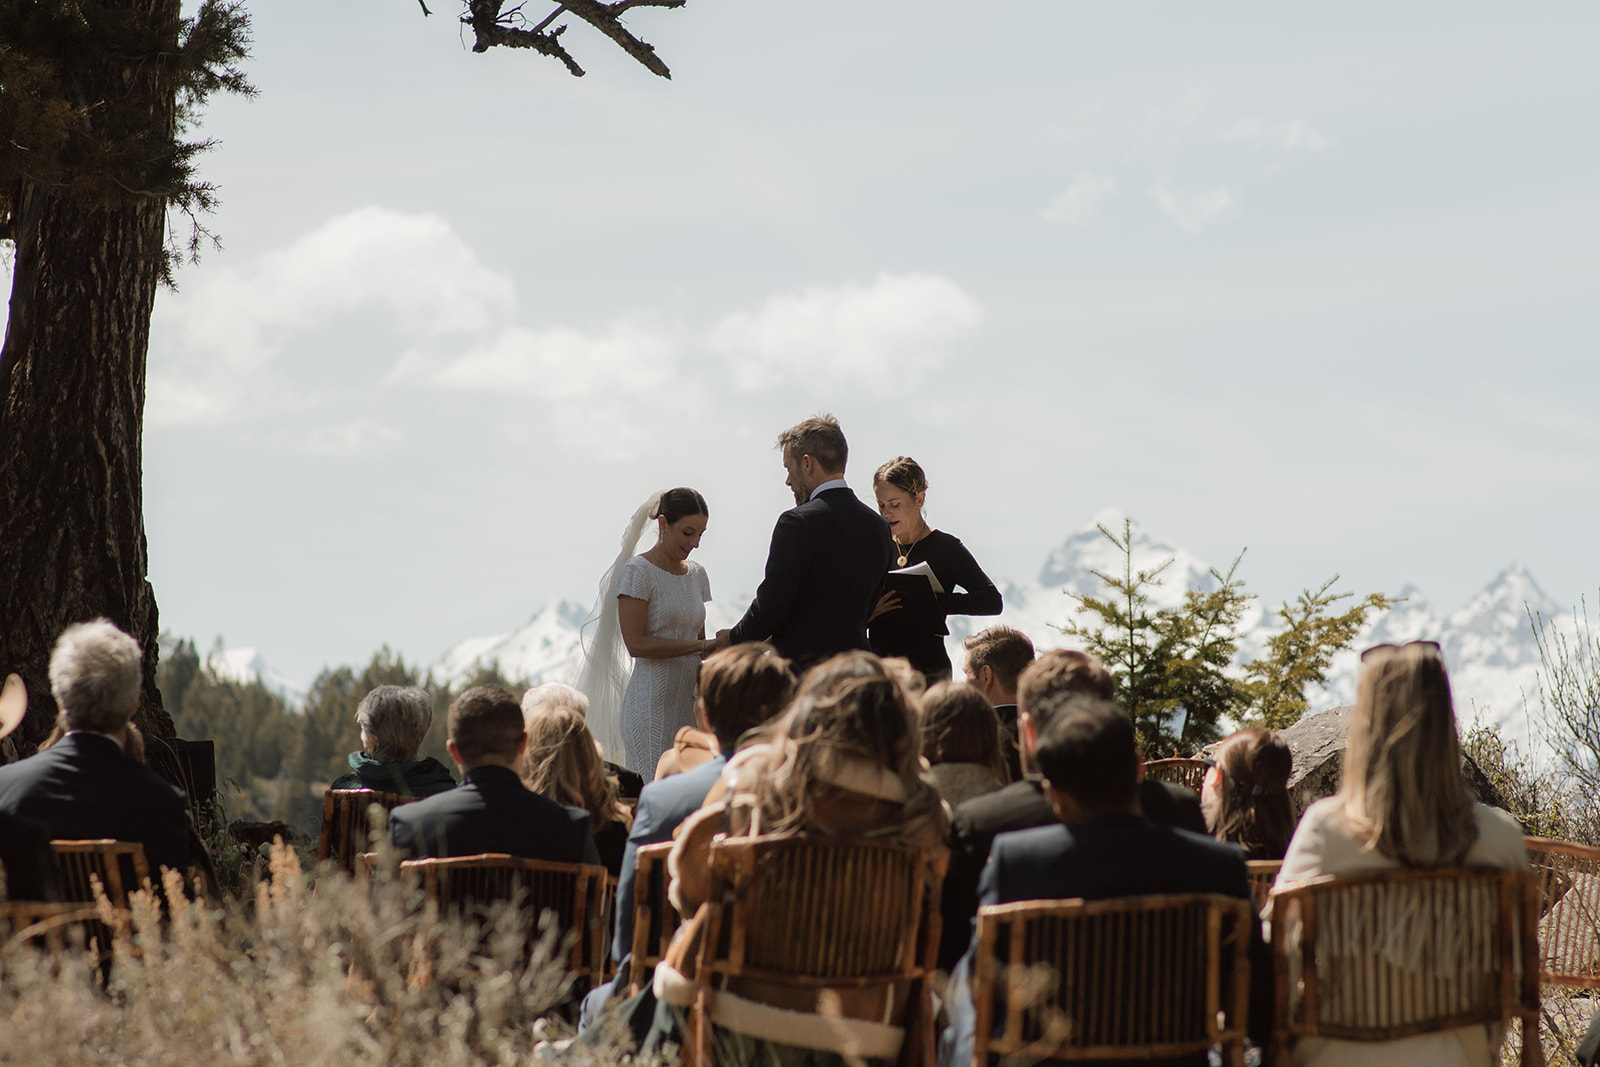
[904, 473]
[680, 503]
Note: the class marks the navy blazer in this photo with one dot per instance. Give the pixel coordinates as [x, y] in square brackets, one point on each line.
[492, 811]
[1114, 856]
[663, 806]
[85, 787]
[827, 559]
[1022, 806]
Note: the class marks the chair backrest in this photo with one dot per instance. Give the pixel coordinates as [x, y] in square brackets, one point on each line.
[1186, 772]
[815, 912]
[1569, 911]
[119, 866]
[1262, 874]
[346, 823]
[1379, 956]
[573, 892]
[49, 924]
[1124, 978]
[655, 920]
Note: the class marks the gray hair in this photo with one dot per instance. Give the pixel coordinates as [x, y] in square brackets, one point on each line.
[555, 695]
[397, 717]
[95, 674]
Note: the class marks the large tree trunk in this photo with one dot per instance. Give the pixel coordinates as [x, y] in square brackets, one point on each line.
[72, 390]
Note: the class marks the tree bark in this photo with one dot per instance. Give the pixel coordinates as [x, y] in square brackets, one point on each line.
[72, 392]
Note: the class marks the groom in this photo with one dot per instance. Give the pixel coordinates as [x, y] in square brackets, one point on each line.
[829, 554]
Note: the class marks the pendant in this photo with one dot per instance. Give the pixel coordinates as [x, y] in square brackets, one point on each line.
[902, 561]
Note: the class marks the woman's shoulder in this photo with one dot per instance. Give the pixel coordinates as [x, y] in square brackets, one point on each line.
[1500, 838]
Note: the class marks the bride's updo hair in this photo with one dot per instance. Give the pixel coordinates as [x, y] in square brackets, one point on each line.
[904, 473]
[678, 504]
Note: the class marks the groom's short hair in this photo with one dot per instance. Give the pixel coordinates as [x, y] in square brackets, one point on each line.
[818, 437]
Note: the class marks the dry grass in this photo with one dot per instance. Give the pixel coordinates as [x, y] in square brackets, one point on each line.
[342, 974]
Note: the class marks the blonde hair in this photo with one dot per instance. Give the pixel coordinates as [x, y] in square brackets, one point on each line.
[847, 706]
[1402, 794]
[562, 763]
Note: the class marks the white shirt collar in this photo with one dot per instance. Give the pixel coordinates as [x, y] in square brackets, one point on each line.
[837, 483]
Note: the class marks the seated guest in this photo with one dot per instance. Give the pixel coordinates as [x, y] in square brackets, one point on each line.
[1245, 796]
[561, 695]
[1044, 685]
[86, 786]
[995, 659]
[1402, 803]
[961, 742]
[842, 763]
[394, 720]
[28, 869]
[1101, 848]
[740, 688]
[562, 762]
[491, 810]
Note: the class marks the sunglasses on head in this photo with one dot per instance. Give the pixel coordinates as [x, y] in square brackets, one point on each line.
[1377, 649]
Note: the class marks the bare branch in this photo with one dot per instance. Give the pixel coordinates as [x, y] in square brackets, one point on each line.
[489, 28]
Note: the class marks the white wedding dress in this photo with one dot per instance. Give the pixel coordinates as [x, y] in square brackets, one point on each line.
[660, 694]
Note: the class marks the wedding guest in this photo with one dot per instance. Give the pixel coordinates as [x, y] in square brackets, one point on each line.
[961, 742]
[1402, 803]
[913, 624]
[1100, 846]
[562, 695]
[491, 810]
[651, 607]
[562, 762]
[1045, 686]
[843, 764]
[86, 786]
[394, 720]
[995, 658]
[827, 558]
[1245, 796]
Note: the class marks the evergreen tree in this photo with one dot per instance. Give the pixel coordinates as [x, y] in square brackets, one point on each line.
[1299, 655]
[96, 97]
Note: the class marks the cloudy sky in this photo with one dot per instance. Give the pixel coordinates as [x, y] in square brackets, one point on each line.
[1320, 283]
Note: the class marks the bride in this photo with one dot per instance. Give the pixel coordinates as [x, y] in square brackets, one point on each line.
[651, 607]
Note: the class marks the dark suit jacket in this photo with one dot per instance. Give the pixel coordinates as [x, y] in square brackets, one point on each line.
[85, 787]
[30, 869]
[1021, 806]
[827, 559]
[1114, 856]
[492, 811]
[663, 806]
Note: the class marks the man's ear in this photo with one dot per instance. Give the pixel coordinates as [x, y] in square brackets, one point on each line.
[985, 677]
[1030, 735]
[1066, 809]
[455, 753]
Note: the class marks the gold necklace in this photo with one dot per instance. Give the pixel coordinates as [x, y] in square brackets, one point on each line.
[905, 550]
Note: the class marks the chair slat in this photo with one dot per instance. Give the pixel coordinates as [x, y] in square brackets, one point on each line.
[346, 824]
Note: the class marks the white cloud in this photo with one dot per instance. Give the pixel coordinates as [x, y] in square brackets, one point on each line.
[217, 340]
[1194, 209]
[1078, 203]
[1293, 135]
[880, 336]
[360, 439]
[560, 363]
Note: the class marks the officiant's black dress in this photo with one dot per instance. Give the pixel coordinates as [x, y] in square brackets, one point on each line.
[917, 630]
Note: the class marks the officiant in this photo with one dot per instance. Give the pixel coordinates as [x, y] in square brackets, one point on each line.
[919, 592]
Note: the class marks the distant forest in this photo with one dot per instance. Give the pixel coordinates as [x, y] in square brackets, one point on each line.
[274, 761]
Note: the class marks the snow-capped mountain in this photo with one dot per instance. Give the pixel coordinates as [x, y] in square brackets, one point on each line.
[1488, 642]
[246, 665]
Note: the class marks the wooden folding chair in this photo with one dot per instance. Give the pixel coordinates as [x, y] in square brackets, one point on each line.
[1569, 911]
[1262, 874]
[830, 925]
[1185, 772]
[655, 920]
[1381, 956]
[574, 893]
[45, 923]
[346, 824]
[1130, 978]
[119, 867]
